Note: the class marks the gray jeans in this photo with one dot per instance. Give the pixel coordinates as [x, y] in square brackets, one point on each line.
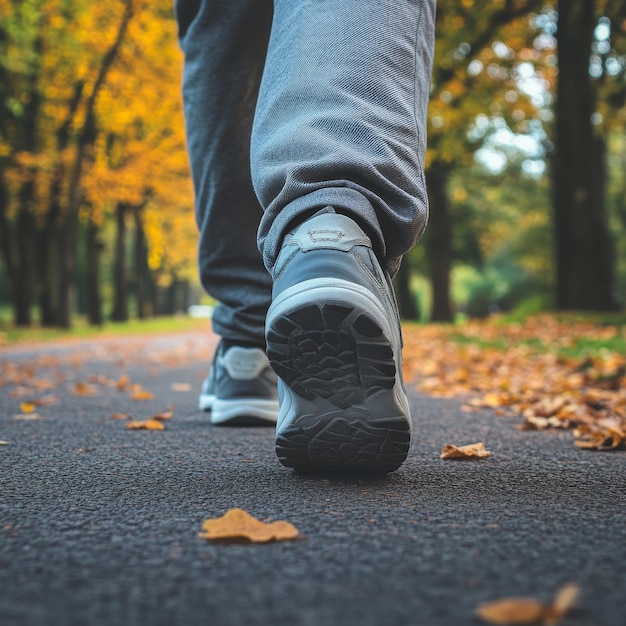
[291, 106]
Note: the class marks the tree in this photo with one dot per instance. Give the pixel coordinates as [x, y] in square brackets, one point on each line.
[477, 46]
[584, 253]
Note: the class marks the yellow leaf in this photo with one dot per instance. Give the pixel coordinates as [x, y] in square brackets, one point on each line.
[512, 611]
[470, 451]
[237, 524]
[27, 407]
[149, 424]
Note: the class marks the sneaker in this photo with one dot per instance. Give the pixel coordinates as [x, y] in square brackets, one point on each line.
[333, 338]
[240, 389]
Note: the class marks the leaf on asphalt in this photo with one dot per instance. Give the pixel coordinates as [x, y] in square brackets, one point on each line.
[467, 452]
[149, 424]
[163, 416]
[137, 392]
[510, 611]
[239, 525]
[605, 435]
[122, 382]
[84, 389]
[27, 416]
[119, 416]
[3, 443]
[181, 387]
[27, 407]
[564, 600]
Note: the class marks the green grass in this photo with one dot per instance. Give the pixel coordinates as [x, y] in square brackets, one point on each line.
[11, 335]
[571, 342]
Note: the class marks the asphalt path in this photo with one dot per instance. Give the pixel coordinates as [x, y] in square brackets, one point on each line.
[98, 524]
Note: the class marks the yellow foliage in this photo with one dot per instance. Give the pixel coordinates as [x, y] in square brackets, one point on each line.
[138, 155]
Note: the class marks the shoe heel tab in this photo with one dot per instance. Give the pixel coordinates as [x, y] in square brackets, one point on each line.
[329, 230]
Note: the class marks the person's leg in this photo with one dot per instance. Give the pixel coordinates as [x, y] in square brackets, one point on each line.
[337, 162]
[224, 42]
[341, 119]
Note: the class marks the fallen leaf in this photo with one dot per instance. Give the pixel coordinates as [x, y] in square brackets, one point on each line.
[512, 611]
[470, 451]
[150, 424]
[164, 415]
[4, 443]
[181, 387]
[237, 524]
[27, 407]
[82, 450]
[119, 416]
[122, 382]
[564, 600]
[83, 389]
[27, 416]
[141, 394]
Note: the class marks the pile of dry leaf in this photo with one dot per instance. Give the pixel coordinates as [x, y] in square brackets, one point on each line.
[520, 369]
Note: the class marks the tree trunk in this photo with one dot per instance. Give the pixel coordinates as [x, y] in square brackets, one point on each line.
[120, 275]
[439, 242]
[94, 299]
[23, 278]
[407, 304]
[142, 271]
[584, 257]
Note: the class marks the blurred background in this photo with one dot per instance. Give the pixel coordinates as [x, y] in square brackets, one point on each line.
[526, 164]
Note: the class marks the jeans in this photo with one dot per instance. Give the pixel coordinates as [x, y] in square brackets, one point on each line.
[291, 106]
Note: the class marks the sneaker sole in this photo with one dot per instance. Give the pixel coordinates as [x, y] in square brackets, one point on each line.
[344, 408]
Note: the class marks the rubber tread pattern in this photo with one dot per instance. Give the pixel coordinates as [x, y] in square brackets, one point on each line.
[340, 355]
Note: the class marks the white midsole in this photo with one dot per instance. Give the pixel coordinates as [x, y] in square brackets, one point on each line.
[224, 410]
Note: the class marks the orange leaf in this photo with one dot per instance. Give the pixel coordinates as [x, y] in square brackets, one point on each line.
[27, 407]
[237, 524]
[119, 416]
[529, 610]
[141, 394]
[149, 424]
[470, 451]
[83, 389]
[164, 415]
[512, 611]
[122, 382]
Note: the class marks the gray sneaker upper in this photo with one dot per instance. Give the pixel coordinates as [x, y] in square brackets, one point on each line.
[240, 373]
[332, 245]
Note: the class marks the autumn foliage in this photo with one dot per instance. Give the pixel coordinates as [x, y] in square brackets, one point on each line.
[92, 130]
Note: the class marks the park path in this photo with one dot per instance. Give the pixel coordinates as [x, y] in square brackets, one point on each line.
[98, 524]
